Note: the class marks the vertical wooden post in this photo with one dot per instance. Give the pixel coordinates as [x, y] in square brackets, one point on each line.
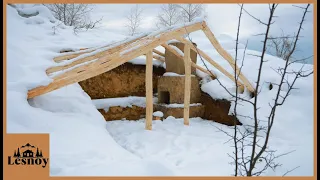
[187, 83]
[149, 88]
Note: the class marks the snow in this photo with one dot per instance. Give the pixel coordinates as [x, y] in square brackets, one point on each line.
[36, 14]
[67, 114]
[228, 42]
[176, 105]
[158, 114]
[172, 41]
[174, 27]
[141, 60]
[171, 74]
[218, 92]
[124, 148]
[122, 102]
[174, 74]
[54, 74]
[195, 150]
[177, 50]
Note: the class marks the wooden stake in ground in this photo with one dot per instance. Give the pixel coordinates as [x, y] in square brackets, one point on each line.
[149, 103]
[187, 83]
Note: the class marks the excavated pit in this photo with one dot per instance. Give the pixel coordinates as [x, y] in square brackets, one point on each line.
[129, 80]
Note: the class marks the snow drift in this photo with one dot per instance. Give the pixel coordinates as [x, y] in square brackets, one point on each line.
[68, 114]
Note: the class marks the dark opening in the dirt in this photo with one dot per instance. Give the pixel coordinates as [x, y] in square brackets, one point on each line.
[164, 97]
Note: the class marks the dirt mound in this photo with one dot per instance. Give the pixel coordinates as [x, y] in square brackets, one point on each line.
[126, 80]
[118, 113]
[217, 110]
[129, 80]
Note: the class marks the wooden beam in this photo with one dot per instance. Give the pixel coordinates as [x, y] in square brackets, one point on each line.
[112, 53]
[106, 63]
[113, 49]
[159, 58]
[212, 62]
[70, 56]
[168, 35]
[88, 58]
[149, 93]
[158, 52]
[187, 84]
[167, 47]
[226, 56]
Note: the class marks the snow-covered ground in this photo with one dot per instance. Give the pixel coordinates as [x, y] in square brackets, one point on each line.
[83, 143]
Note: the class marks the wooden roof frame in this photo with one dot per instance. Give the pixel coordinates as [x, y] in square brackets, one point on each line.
[82, 68]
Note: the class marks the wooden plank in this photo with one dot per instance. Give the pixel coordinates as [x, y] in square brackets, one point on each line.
[187, 84]
[149, 93]
[88, 58]
[158, 52]
[105, 59]
[226, 56]
[70, 56]
[167, 47]
[212, 62]
[114, 49]
[112, 54]
[106, 63]
[159, 58]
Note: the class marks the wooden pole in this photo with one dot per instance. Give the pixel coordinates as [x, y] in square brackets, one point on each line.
[187, 83]
[212, 62]
[226, 56]
[149, 94]
[113, 49]
[159, 53]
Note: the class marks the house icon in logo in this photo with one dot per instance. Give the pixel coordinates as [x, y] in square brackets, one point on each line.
[27, 153]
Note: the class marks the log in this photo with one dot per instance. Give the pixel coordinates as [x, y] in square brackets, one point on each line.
[149, 93]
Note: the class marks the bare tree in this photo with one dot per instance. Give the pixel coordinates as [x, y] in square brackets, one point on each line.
[134, 19]
[190, 12]
[252, 154]
[281, 45]
[169, 15]
[76, 15]
[253, 147]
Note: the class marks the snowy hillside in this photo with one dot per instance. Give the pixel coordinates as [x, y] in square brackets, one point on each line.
[124, 147]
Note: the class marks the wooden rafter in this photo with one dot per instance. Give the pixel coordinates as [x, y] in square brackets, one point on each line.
[90, 57]
[226, 56]
[73, 55]
[180, 57]
[97, 63]
[158, 58]
[211, 61]
[106, 63]
[158, 52]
